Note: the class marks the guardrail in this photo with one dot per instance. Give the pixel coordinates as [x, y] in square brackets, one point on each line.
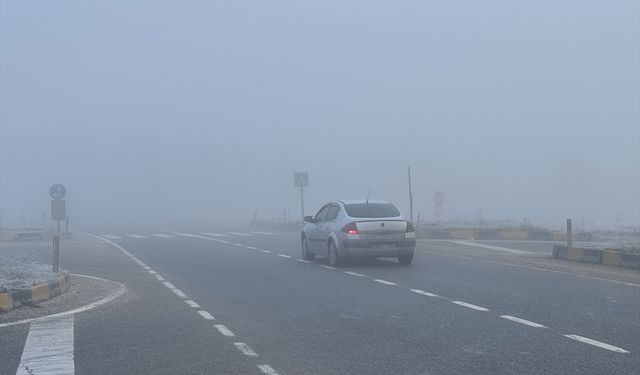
[607, 256]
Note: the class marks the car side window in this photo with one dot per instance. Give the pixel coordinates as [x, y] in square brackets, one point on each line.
[321, 214]
[332, 214]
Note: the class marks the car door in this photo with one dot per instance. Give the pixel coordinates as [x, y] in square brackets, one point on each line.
[325, 229]
[313, 235]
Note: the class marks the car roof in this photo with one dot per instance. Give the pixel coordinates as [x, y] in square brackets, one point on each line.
[362, 200]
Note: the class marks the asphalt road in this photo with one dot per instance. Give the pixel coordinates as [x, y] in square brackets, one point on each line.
[236, 302]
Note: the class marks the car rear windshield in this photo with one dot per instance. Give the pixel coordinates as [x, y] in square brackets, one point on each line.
[371, 210]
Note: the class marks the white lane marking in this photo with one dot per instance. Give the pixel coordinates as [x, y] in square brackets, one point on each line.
[497, 248]
[284, 255]
[354, 274]
[179, 293]
[596, 343]
[49, 348]
[224, 330]
[470, 306]
[303, 261]
[121, 291]
[153, 272]
[268, 370]
[241, 234]
[214, 234]
[159, 277]
[192, 303]
[265, 233]
[136, 236]
[245, 349]
[238, 244]
[223, 241]
[266, 251]
[418, 291]
[163, 235]
[251, 247]
[206, 315]
[111, 236]
[327, 267]
[523, 321]
[169, 285]
[146, 268]
[385, 282]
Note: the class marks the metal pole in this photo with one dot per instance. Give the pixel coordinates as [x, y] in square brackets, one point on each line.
[302, 201]
[56, 253]
[569, 233]
[410, 197]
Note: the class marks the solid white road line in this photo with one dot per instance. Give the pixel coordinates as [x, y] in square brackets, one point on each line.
[265, 233]
[470, 306]
[179, 293]
[268, 370]
[206, 315]
[354, 274]
[327, 267]
[245, 349]
[241, 234]
[163, 235]
[265, 251]
[192, 303]
[523, 321]
[169, 285]
[497, 248]
[303, 261]
[418, 291]
[385, 282]
[111, 236]
[159, 277]
[214, 234]
[284, 255]
[49, 348]
[224, 330]
[136, 236]
[596, 343]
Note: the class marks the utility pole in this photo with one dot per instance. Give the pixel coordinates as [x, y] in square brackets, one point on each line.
[410, 196]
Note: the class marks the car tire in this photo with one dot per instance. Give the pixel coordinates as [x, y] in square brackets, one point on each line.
[334, 257]
[405, 260]
[306, 254]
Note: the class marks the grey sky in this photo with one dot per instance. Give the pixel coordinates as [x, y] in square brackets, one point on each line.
[205, 109]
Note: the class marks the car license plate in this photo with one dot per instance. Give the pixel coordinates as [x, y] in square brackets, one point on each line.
[383, 246]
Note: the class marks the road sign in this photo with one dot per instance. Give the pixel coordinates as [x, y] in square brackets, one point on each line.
[58, 211]
[301, 179]
[57, 191]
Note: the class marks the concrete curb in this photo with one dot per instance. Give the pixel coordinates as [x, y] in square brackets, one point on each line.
[35, 294]
[607, 256]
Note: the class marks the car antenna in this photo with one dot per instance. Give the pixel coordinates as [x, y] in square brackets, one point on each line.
[368, 194]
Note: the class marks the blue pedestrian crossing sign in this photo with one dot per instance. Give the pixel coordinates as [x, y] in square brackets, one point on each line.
[301, 179]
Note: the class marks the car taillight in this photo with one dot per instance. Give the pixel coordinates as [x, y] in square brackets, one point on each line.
[350, 228]
[410, 227]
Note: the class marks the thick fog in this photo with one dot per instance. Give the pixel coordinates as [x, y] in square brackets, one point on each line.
[199, 111]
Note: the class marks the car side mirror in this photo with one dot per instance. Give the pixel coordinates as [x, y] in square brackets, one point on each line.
[309, 219]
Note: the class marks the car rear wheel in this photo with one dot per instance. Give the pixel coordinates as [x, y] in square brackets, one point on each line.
[405, 259]
[334, 258]
[306, 254]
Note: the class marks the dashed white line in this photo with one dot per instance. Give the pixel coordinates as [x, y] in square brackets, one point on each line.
[146, 268]
[214, 234]
[111, 236]
[265, 233]
[153, 272]
[327, 267]
[266, 251]
[470, 306]
[169, 285]
[206, 315]
[224, 330]
[161, 235]
[136, 236]
[284, 255]
[354, 274]
[596, 343]
[179, 293]
[385, 282]
[192, 303]
[245, 349]
[523, 321]
[303, 261]
[418, 291]
[251, 247]
[238, 244]
[159, 277]
[241, 234]
[268, 370]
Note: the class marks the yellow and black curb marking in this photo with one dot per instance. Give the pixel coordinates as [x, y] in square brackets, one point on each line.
[35, 294]
[607, 256]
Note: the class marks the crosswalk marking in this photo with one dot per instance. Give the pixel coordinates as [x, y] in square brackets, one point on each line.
[111, 236]
[49, 348]
[136, 236]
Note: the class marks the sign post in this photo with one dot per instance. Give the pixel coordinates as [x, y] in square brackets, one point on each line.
[301, 180]
[58, 213]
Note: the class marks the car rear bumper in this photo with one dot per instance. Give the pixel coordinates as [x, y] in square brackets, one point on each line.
[365, 248]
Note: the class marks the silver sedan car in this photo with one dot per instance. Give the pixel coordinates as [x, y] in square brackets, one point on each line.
[358, 228]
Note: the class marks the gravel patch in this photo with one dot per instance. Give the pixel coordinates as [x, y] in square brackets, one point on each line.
[22, 267]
